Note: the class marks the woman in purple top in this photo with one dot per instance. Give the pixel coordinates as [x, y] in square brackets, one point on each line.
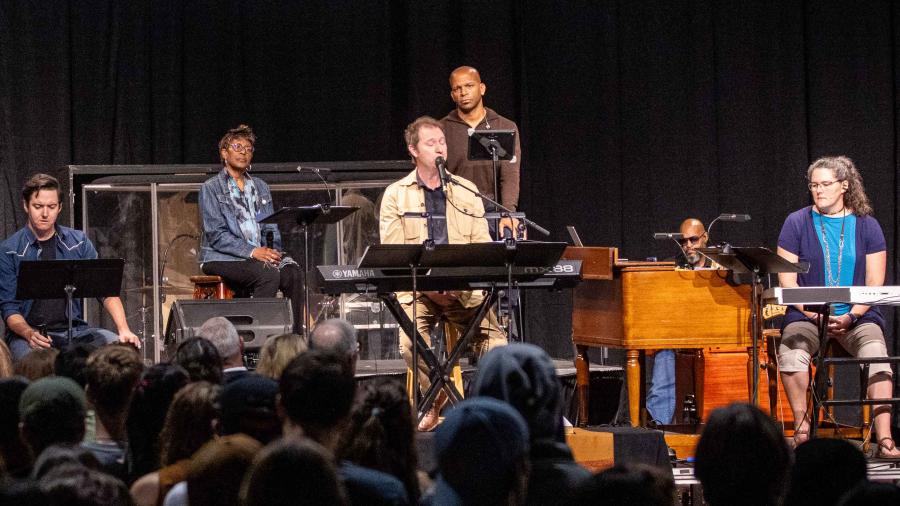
[844, 246]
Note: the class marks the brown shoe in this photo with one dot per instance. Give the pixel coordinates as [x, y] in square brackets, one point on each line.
[433, 417]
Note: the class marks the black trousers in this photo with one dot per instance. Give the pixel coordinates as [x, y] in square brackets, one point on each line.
[259, 279]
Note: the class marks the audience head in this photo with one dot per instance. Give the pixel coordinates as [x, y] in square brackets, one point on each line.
[13, 452]
[742, 458]
[77, 485]
[217, 469]
[277, 352]
[823, 471]
[869, 493]
[57, 455]
[7, 369]
[338, 336]
[199, 357]
[147, 414]
[315, 395]
[381, 433]
[482, 434]
[71, 362]
[524, 376]
[630, 484]
[222, 334]
[112, 372]
[291, 468]
[190, 421]
[37, 364]
[21, 493]
[51, 411]
[248, 407]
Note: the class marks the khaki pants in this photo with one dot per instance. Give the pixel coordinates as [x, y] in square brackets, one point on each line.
[800, 341]
[488, 336]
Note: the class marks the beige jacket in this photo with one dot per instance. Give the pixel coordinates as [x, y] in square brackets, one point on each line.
[405, 196]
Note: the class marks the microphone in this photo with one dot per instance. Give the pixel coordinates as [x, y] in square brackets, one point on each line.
[734, 217]
[659, 236]
[442, 169]
[738, 218]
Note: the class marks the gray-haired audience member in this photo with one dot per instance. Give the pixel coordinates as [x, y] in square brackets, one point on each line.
[336, 335]
[316, 393]
[742, 458]
[482, 454]
[225, 338]
[523, 375]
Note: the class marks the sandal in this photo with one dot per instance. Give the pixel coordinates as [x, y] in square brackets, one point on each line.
[886, 444]
[800, 437]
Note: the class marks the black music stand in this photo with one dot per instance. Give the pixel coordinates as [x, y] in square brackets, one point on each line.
[324, 214]
[535, 257]
[60, 279]
[757, 262]
[493, 145]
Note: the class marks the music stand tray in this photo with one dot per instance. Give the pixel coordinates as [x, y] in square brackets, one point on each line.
[47, 279]
[309, 215]
[482, 144]
[60, 279]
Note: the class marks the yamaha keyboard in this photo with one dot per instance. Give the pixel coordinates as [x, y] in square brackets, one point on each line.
[868, 295]
[338, 279]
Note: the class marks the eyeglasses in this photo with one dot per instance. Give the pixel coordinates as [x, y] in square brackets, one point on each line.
[691, 240]
[240, 148]
[824, 185]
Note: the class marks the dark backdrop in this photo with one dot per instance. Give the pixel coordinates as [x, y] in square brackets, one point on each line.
[633, 114]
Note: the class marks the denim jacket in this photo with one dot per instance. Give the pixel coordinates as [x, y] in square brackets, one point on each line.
[71, 244]
[221, 239]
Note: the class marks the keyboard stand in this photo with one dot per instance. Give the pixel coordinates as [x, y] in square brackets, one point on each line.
[418, 258]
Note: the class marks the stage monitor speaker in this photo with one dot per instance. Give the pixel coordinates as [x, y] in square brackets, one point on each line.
[255, 319]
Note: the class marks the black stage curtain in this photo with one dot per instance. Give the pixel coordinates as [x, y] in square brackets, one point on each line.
[633, 115]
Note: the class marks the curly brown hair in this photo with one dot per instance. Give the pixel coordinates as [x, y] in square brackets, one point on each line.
[189, 420]
[239, 132]
[845, 170]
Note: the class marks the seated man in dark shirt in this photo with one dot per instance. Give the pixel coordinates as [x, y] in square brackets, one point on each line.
[43, 239]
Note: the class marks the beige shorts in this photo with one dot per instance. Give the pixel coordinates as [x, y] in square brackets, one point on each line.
[800, 341]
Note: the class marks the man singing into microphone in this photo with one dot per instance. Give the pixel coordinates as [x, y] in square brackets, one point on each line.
[467, 92]
[456, 218]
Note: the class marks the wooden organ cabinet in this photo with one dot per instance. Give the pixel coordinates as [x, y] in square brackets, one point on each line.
[645, 306]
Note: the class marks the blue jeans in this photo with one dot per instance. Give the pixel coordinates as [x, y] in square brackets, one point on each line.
[661, 394]
[19, 347]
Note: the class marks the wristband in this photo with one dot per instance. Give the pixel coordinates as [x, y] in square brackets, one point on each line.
[853, 318]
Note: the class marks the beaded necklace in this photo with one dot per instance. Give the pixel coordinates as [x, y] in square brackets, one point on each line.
[829, 280]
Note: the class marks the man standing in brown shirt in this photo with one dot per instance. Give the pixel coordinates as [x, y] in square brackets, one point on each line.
[467, 91]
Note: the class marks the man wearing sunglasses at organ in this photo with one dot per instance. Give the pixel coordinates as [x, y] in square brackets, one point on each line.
[661, 392]
[234, 245]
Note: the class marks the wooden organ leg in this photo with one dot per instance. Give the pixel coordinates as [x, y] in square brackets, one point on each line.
[633, 379]
[582, 382]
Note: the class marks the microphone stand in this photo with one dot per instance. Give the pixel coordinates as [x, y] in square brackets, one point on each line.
[504, 211]
[510, 241]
